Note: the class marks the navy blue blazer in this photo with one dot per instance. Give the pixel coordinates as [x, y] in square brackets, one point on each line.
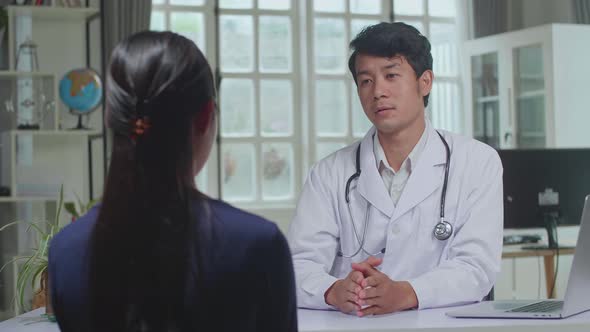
[249, 269]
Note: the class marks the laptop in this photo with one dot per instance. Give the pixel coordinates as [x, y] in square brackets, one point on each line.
[576, 294]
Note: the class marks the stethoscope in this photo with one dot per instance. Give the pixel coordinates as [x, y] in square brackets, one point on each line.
[442, 230]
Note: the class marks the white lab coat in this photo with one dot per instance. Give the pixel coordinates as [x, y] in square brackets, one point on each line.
[459, 270]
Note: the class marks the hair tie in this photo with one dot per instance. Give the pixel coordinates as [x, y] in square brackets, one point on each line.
[140, 126]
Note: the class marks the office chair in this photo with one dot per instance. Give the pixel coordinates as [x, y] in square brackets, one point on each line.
[490, 296]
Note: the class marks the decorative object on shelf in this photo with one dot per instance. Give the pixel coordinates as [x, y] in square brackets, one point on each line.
[29, 101]
[274, 164]
[31, 104]
[27, 48]
[4, 191]
[81, 91]
[34, 268]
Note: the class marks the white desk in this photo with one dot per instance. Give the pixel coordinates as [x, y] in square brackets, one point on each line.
[408, 321]
[433, 320]
[29, 322]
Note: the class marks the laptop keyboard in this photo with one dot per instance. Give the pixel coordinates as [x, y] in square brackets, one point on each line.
[544, 306]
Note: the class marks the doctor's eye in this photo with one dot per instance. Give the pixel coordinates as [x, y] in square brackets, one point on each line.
[365, 82]
[393, 75]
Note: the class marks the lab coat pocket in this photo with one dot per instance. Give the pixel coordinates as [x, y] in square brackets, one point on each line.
[427, 217]
[428, 220]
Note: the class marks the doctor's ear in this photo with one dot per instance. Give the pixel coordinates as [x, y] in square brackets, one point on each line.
[425, 82]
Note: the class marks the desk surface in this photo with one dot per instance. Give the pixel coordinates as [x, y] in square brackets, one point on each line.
[333, 321]
[515, 251]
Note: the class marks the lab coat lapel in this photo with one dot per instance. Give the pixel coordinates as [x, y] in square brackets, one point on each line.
[426, 177]
[370, 184]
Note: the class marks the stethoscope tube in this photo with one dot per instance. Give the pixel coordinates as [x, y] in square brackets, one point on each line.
[442, 230]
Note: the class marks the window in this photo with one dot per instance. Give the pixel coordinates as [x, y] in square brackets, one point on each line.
[336, 117]
[436, 20]
[259, 100]
[287, 98]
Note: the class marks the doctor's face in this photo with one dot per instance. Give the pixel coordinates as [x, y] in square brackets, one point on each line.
[390, 92]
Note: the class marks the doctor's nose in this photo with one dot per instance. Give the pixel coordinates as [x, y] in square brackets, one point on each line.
[379, 90]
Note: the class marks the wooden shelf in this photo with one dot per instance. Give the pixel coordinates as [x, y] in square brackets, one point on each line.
[487, 99]
[56, 132]
[18, 74]
[56, 13]
[20, 199]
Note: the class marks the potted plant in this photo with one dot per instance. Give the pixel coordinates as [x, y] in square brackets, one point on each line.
[79, 208]
[33, 271]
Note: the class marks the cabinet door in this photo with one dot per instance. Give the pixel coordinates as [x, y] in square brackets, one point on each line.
[485, 98]
[529, 92]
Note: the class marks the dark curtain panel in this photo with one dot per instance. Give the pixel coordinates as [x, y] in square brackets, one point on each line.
[490, 17]
[582, 11]
[121, 19]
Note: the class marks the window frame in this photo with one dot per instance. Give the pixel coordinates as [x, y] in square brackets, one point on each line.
[304, 140]
[256, 76]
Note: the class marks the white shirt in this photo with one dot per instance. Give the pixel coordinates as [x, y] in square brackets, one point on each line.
[396, 181]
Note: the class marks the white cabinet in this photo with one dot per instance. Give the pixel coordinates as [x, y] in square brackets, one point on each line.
[528, 88]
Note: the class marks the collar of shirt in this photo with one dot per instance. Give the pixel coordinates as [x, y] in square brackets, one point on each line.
[396, 181]
[408, 163]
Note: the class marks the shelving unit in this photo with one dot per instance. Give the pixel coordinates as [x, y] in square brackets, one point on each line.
[34, 164]
[59, 33]
[53, 12]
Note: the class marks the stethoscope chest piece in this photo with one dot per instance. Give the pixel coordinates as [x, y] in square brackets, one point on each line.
[443, 230]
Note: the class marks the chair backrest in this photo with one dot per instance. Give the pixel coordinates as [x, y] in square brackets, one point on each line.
[490, 296]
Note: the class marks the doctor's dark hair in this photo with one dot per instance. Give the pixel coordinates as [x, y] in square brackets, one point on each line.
[391, 39]
[146, 240]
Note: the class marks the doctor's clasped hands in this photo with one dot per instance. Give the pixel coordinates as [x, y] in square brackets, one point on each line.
[368, 291]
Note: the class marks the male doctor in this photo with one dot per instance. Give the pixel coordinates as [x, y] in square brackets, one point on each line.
[395, 238]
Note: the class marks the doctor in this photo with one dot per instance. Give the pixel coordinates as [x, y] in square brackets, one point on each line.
[409, 217]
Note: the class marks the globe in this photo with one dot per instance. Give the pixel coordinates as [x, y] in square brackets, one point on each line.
[81, 91]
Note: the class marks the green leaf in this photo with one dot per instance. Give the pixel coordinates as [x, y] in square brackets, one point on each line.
[71, 208]
[37, 228]
[90, 204]
[38, 270]
[22, 281]
[10, 224]
[80, 203]
[12, 261]
[59, 205]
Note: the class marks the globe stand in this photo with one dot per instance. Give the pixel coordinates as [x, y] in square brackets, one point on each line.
[80, 126]
[28, 126]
